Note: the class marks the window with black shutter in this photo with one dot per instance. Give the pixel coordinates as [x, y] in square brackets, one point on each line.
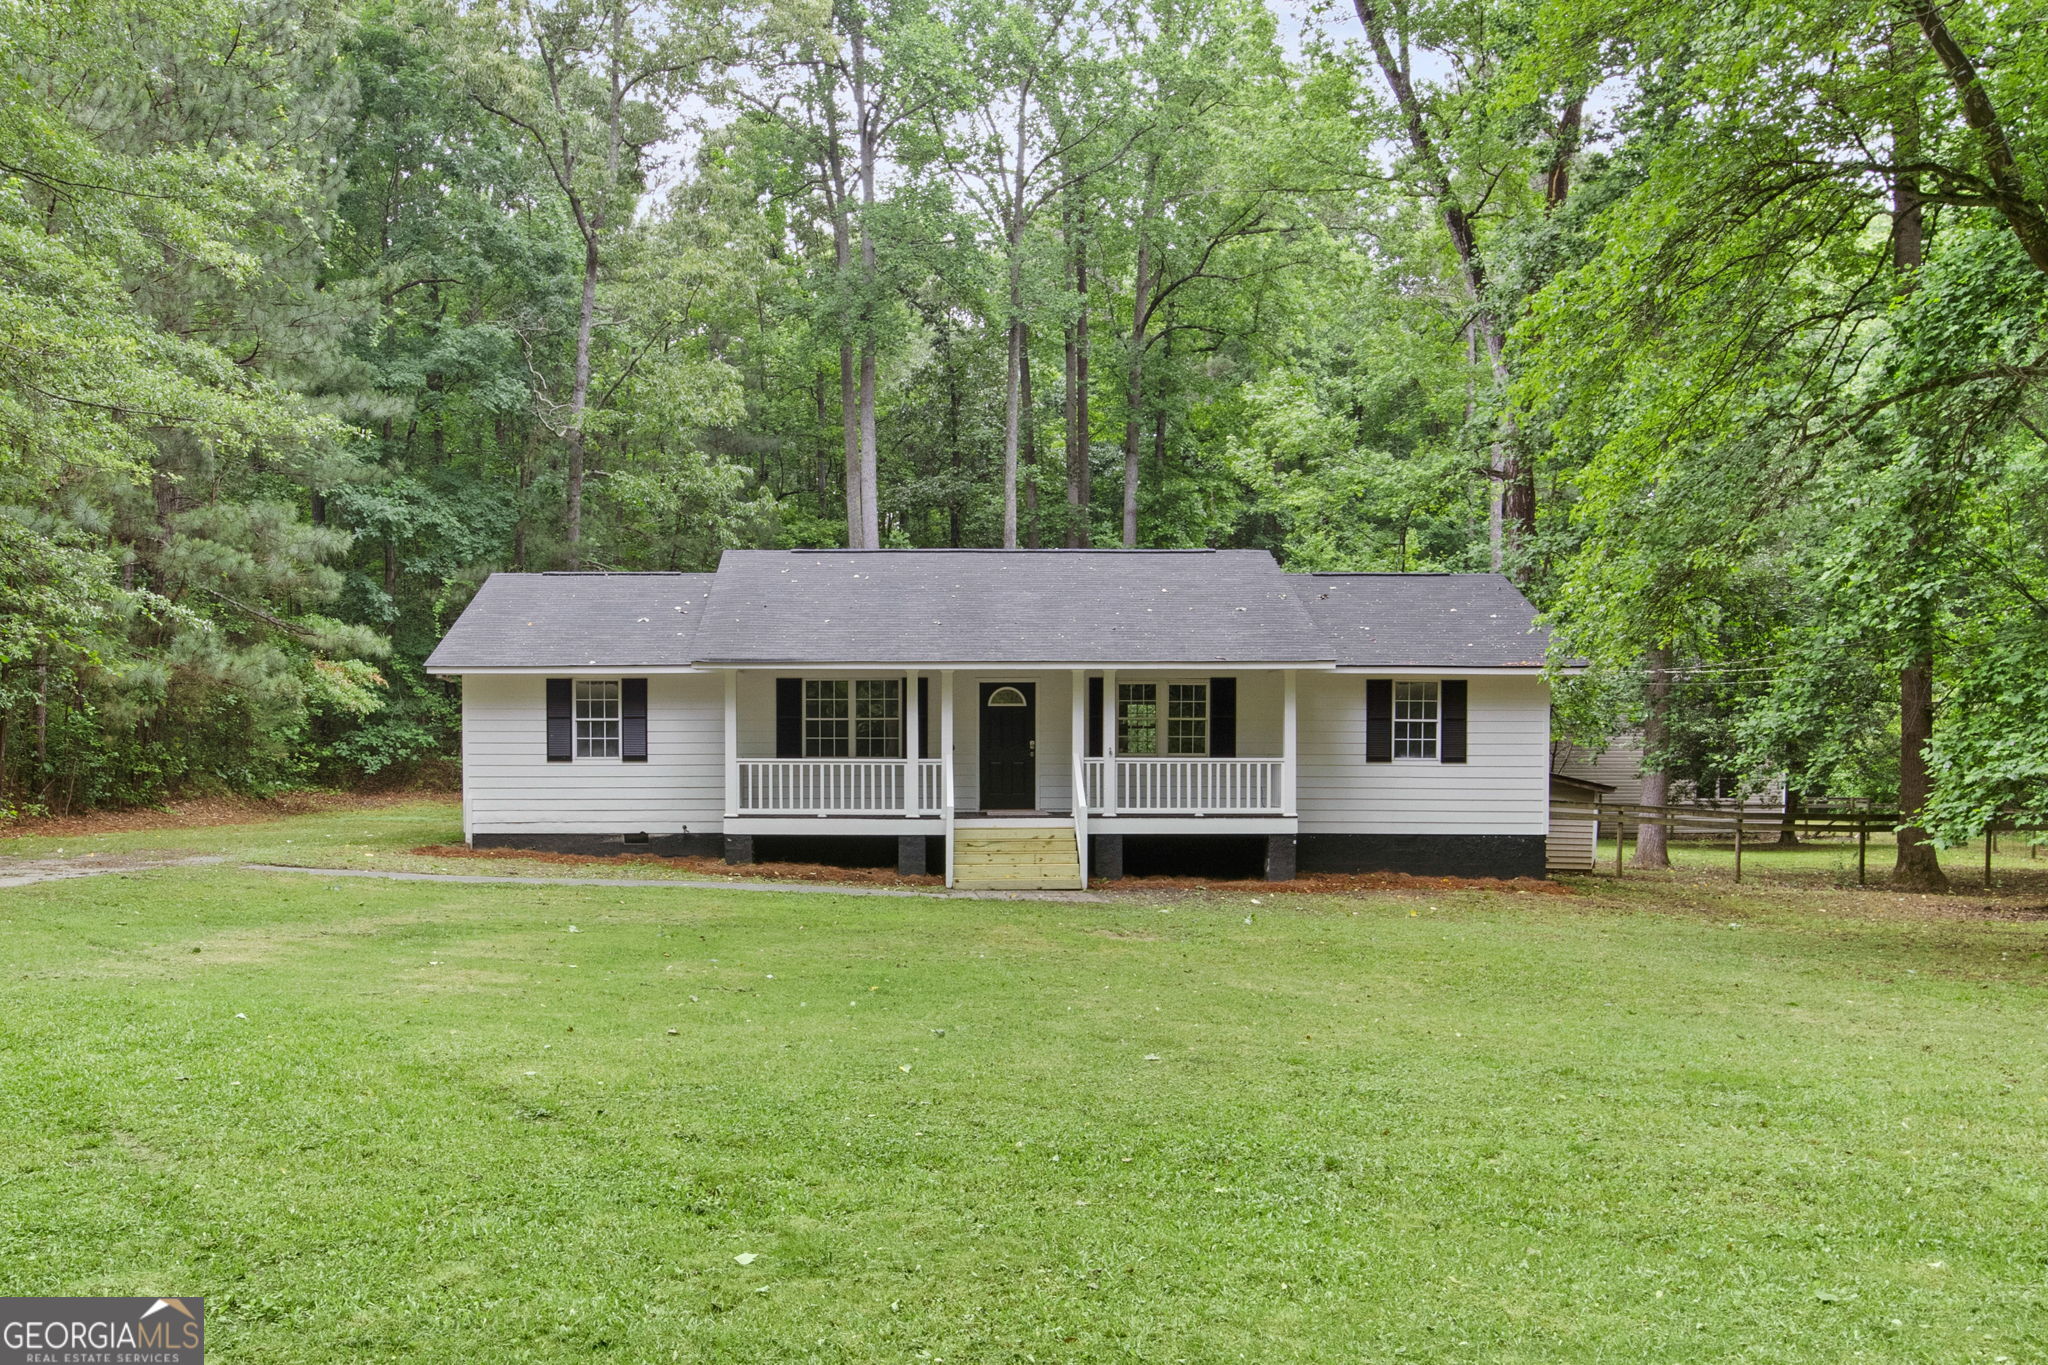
[1223, 718]
[1454, 727]
[789, 717]
[633, 720]
[561, 720]
[1095, 718]
[1379, 720]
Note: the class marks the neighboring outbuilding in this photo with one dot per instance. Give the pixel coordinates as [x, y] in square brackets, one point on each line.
[1574, 833]
[954, 702]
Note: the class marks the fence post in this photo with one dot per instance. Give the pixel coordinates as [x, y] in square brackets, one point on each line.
[1617, 843]
[1738, 845]
[1989, 826]
[1862, 844]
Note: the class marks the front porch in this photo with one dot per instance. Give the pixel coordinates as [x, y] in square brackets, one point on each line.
[892, 788]
[919, 755]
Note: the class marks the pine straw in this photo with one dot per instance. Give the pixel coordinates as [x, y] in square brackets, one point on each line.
[1349, 884]
[703, 867]
[1323, 883]
[210, 810]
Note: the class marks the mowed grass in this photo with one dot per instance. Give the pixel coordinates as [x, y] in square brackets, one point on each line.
[427, 1122]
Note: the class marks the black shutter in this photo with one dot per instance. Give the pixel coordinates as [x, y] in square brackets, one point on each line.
[1095, 718]
[561, 721]
[633, 720]
[924, 717]
[1223, 718]
[789, 717]
[1379, 720]
[1451, 744]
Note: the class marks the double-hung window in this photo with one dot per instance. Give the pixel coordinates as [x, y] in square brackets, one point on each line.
[856, 718]
[1183, 728]
[597, 718]
[1417, 716]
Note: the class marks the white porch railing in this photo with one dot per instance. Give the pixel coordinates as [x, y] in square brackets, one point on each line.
[837, 786]
[1188, 786]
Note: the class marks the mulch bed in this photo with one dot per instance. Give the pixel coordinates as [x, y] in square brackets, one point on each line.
[1320, 883]
[703, 867]
[1350, 884]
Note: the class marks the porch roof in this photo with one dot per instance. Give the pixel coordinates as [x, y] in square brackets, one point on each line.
[1007, 607]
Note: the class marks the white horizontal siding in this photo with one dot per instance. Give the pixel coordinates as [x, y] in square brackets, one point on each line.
[1501, 788]
[1571, 846]
[511, 788]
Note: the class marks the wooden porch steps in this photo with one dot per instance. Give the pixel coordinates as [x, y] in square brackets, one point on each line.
[1016, 858]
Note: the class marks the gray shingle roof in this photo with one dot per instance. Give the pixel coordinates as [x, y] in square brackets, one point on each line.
[576, 620]
[1452, 620]
[1015, 606]
[992, 606]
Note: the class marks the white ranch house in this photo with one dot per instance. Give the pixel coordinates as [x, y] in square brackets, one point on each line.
[956, 701]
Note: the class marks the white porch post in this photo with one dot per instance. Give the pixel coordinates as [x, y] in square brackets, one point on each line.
[913, 745]
[1109, 728]
[732, 742]
[1079, 752]
[946, 795]
[1080, 738]
[1288, 728]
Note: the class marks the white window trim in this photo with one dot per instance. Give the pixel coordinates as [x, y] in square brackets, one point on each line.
[905, 699]
[577, 720]
[1159, 704]
[1436, 723]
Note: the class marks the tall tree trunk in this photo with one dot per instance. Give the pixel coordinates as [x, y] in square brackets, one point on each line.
[867, 116]
[1134, 376]
[1653, 841]
[1080, 474]
[849, 421]
[1512, 504]
[1030, 441]
[41, 720]
[1013, 379]
[2022, 211]
[1916, 867]
[1557, 181]
[579, 395]
[870, 490]
[953, 519]
[1788, 826]
[528, 456]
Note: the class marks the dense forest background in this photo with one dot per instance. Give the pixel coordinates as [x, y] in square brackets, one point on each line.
[1722, 328]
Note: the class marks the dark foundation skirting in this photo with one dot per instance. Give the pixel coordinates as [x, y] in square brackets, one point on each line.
[607, 845]
[1425, 855]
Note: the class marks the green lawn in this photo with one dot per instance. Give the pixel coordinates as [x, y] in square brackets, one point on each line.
[404, 1121]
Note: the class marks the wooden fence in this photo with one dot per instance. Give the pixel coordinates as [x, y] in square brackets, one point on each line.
[1697, 819]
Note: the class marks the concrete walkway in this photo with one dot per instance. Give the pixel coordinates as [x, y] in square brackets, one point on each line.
[30, 871]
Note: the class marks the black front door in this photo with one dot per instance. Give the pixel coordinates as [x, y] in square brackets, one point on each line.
[1009, 746]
